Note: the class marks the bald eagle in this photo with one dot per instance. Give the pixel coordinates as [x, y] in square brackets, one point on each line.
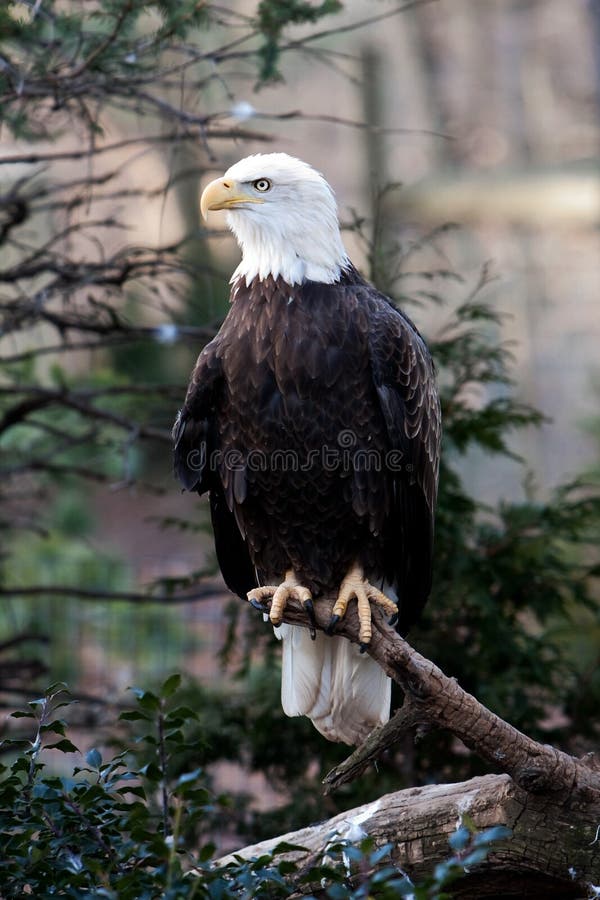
[312, 420]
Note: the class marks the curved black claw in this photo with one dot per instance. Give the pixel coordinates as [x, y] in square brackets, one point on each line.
[258, 605]
[332, 623]
[393, 620]
[310, 612]
[363, 647]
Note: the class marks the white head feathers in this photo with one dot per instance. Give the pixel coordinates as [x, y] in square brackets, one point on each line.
[291, 228]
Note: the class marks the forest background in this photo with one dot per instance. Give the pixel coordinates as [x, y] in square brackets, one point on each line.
[462, 142]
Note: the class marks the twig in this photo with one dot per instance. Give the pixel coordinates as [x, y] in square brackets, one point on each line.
[67, 400]
[216, 134]
[104, 44]
[204, 592]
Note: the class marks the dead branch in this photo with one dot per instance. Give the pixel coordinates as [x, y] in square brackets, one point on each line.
[206, 591]
[433, 700]
[553, 851]
[549, 799]
[68, 400]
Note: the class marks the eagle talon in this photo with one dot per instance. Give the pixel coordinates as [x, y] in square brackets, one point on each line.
[279, 596]
[310, 612]
[363, 647]
[393, 620]
[332, 623]
[258, 605]
[356, 586]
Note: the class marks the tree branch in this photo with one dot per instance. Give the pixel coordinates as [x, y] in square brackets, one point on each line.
[209, 590]
[553, 851]
[549, 800]
[433, 700]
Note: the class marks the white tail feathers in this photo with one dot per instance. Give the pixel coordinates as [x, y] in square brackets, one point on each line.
[345, 693]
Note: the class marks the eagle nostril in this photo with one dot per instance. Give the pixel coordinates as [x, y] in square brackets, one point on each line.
[226, 184]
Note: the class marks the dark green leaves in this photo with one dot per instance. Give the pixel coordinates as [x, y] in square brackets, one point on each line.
[272, 18]
[102, 830]
[170, 686]
[65, 746]
[136, 812]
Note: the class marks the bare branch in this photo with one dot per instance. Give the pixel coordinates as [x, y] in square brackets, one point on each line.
[210, 590]
[44, 397]
[542, 858]
[170, 139]
[104, 44]
[433, 700]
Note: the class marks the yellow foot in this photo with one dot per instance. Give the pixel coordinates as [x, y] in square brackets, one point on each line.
[356, 585]
[288, 589]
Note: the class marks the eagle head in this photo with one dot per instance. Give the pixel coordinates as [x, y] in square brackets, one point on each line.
[284, 216]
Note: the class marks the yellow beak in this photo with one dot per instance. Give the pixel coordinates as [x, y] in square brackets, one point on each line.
[223, 193]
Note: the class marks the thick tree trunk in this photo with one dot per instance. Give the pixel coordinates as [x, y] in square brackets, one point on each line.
[549, 799]
[553, 851]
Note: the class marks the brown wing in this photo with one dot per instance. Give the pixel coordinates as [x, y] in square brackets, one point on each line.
[194, 428]
[404, 378]
[195, 458]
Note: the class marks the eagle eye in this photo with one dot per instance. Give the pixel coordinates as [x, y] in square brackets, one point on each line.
[262, 184]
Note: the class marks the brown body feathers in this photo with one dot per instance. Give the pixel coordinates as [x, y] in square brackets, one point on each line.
[313, 421]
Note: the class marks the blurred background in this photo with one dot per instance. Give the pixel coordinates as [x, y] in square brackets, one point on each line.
[462, 141]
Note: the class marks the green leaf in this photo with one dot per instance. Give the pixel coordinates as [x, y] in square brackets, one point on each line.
[287, 867]
[207, 851]
[497, 833]
[475, 857]
[57, 687]
[188, 777]
[170, 686]
[134, 715]
[377, 855]
[152, 772]
[135, 789]
[35, 704]
[460, 838]
[286, 847]
[181, 714]
[93, 758]
[58, 726]
[65, 746]
[354, 853]
[147, 700]
[273, 17]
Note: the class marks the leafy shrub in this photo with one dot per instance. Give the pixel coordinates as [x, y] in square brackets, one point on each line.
[127, 828]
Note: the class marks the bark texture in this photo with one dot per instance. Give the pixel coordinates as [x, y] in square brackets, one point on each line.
[549, 799]
[553, 851]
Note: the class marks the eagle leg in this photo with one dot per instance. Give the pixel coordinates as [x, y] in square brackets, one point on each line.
[356, 585]
[290, 588]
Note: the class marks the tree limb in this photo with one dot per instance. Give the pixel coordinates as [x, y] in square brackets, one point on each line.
[554, 851]
[548, 799]
[205, 591]
[433, 700]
